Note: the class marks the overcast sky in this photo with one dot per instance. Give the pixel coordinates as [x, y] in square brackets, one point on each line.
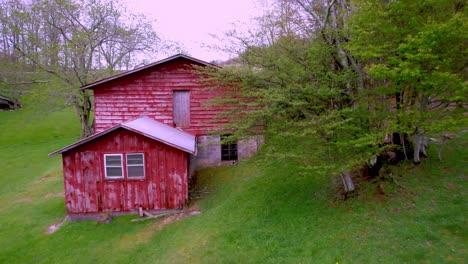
[191, 22]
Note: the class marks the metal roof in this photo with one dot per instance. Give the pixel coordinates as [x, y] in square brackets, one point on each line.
[120, 75]
[149, 128]
[163, 133]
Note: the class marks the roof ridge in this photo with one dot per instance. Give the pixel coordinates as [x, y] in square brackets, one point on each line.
[144, 67]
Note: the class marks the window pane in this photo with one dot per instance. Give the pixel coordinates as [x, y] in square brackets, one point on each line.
[229, 151]
[114, 172]
[224, 147]
[133, 159]
[114, 160]
[233, 153]
[136, 171]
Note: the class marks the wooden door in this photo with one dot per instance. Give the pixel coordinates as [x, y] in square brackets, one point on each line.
[181, 108]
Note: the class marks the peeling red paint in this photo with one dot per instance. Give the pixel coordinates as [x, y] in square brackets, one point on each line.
[150, 92]
[87, 190]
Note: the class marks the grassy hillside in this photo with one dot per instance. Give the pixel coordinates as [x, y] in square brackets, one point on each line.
[253, 213]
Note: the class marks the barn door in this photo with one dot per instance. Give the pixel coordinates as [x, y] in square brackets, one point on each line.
[181, 108]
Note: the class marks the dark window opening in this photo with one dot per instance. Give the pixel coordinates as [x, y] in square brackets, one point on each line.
[228, 150]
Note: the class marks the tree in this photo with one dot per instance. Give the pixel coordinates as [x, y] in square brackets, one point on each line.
[416, 52]
[76, 42]
[299, 84]
[331, 82]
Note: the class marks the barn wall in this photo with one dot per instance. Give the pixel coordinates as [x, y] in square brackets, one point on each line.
[86, 189]
[150, 92]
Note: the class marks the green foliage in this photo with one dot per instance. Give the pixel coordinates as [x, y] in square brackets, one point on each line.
[306, 109]
[417, 48]
[330, 99]
[73, 43]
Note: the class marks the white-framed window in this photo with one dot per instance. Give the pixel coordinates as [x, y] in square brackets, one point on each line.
[135, 165]
[113, 166]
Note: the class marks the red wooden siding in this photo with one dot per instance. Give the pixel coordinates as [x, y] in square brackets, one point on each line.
[87, 191]
[150, 92]
[181, 108]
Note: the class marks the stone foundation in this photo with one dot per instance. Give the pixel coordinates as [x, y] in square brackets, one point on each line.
[209, 151]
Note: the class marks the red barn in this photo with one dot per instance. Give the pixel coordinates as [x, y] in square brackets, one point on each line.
[152, 129]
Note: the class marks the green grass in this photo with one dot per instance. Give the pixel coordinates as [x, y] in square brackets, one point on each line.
[254, 213]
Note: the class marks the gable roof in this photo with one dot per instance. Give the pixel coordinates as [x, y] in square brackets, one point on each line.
[149, 128]
[154, 64]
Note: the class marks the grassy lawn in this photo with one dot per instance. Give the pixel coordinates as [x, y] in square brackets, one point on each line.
[254, 213]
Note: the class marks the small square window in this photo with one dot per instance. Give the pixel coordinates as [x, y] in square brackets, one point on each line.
[113, 165]
[228, 150]
[135, 165]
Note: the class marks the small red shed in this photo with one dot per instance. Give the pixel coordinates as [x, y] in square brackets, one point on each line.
[140, 163]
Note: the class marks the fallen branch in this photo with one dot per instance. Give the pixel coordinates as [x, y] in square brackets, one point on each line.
[51, 229]
[151, 216]
[395, 181]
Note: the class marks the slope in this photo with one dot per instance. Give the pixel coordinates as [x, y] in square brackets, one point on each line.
[253, 212]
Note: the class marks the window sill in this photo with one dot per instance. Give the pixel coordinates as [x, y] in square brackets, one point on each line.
[136, 178]
[128, 179]
[114, 179]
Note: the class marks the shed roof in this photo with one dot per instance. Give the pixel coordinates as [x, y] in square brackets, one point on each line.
[149, 128]
[154, 64]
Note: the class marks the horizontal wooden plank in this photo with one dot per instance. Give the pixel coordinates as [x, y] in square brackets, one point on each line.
[151, 93]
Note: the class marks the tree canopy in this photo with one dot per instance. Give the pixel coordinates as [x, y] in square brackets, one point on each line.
[72, 43]
[336, 84]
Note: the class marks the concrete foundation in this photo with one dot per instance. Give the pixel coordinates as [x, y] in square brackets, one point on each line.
[209, 151]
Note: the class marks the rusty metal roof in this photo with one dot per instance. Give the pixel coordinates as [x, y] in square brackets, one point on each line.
[149, 128]
[120, 75]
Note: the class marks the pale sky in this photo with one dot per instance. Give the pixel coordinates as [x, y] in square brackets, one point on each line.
[190, 22]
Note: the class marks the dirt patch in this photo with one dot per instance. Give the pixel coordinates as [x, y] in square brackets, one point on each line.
[51, 195]
[45, 178]
[24, 200]
[55, 226]
[130, 241]
[193, 210]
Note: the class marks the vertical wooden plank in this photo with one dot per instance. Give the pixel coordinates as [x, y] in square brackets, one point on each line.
[183, 167]
[89, 181]
[162, 177]
[151, 170]
[173, 178]
[99, 174]
[79, 182]
[69, 186]
[111, 196]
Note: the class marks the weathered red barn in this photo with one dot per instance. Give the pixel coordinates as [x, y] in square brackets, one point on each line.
[152, 129]
[140, 163]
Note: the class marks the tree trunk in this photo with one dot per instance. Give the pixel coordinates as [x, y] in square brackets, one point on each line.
[403, 144]
[420, 145]
[83, 108]
[347, 182]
